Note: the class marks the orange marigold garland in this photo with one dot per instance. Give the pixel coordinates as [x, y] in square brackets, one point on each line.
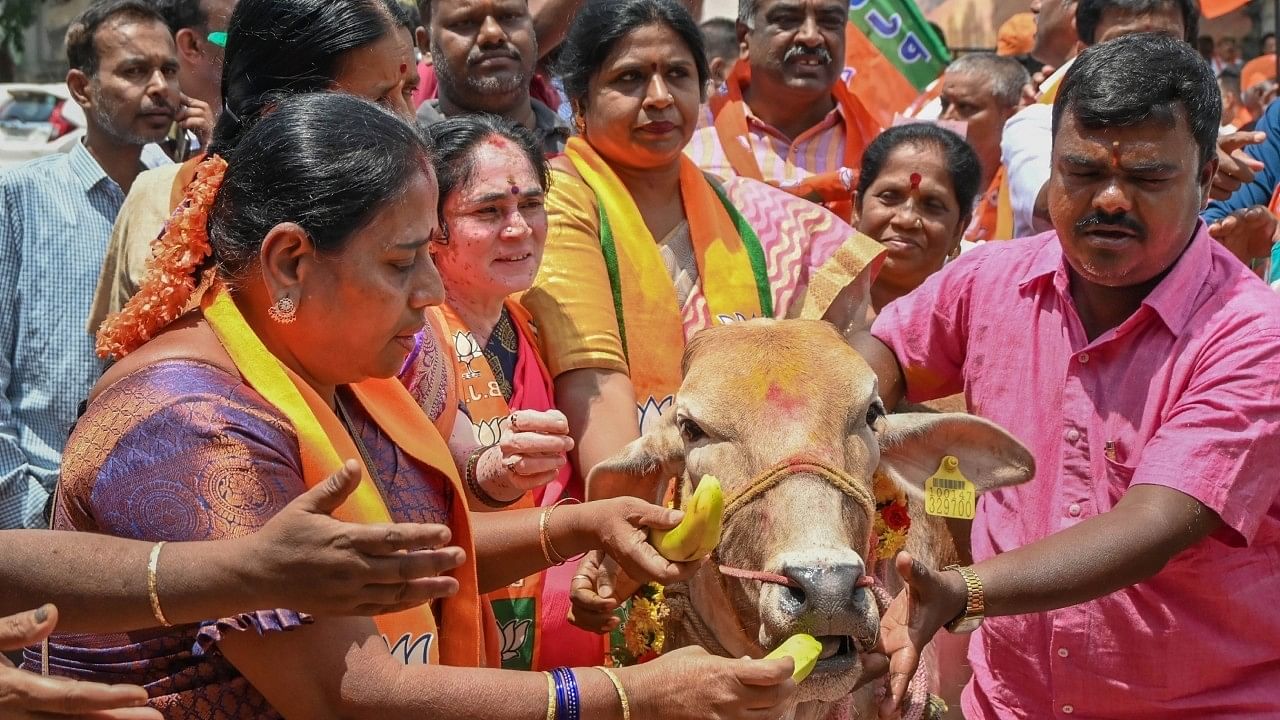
[176, 255]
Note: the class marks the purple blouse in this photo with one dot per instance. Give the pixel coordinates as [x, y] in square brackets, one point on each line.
[183, 450]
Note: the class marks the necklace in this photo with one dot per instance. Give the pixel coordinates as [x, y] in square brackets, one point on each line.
[345, 418]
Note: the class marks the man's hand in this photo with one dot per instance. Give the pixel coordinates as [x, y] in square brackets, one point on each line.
[306, 560]
[27, 696]
[196, 117]
[1235, 168]
[930, 600]
[1247, 233]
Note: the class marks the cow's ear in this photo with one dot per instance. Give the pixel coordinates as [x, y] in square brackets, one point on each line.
[912, 446]
[645, 463]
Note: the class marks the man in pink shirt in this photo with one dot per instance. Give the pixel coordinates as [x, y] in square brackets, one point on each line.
[1136, 575]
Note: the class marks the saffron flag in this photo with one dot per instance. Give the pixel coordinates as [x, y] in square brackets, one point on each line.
[891, 55]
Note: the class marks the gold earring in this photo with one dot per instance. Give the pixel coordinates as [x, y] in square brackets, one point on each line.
[284, 311]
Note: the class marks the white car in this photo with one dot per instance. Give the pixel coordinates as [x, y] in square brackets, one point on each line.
[37, 120]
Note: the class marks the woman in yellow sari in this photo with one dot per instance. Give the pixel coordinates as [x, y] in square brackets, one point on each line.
[644, 249]
[319, 238]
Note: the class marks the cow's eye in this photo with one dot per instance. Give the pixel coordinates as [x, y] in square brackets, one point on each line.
[689, 430]
[875, 412]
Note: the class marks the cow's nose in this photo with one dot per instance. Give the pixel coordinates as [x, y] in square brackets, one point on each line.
[828, 588]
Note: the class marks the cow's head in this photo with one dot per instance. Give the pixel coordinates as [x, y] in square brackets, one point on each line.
[788, 398]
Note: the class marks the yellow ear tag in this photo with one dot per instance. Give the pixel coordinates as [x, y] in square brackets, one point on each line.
[948, 493]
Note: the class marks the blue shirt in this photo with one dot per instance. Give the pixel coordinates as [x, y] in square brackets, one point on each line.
[58, 213]
[1264, 183]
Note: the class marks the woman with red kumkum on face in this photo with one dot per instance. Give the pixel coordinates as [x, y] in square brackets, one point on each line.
[915, 196]
[493, 178]
[315, 246]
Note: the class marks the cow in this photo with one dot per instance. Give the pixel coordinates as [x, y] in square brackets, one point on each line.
[787, 415]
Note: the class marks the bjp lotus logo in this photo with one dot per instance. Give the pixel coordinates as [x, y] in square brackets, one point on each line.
[736, 317]
[468, 351]
[651, 411]
[489, 432]
[514, 636]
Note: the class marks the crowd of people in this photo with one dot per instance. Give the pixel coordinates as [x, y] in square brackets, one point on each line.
[317, 335]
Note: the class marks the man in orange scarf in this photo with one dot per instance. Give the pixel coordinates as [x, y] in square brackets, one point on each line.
[785, 115]
[984, 90]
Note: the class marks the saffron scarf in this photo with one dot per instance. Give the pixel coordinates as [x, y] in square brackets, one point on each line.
[413, 635]
[833, 189]
[731, 270]
[994, 214]
[536, 608]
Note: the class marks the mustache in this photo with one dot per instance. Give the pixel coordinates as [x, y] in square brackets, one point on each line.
[795, 51]
[151, 106]
[479, 56]
[1120, 220]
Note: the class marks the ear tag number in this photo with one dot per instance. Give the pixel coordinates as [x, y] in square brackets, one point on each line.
[948, 493]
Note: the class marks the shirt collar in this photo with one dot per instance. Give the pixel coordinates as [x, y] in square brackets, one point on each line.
[1173, 299]
[548, 121]
[85, 168]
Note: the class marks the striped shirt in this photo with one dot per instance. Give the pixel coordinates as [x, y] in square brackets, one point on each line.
[817, 150]
[58, 215]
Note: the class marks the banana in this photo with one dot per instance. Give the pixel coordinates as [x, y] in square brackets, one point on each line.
[699, 532]
[803, 649]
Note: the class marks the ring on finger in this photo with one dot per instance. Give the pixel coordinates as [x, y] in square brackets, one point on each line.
[580, 576]
[515, 425]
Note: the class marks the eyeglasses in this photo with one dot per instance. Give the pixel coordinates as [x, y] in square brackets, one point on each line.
[218, 38]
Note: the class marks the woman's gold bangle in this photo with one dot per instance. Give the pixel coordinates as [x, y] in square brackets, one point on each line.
[549, 553]
[551, 696]
[152, 590]
[617, 685]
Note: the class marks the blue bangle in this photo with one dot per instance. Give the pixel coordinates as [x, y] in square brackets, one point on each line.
[568, 701]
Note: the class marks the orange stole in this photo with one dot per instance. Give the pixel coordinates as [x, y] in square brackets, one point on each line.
[994, 213]
[525, 610]
[413, 635]
[833, 189]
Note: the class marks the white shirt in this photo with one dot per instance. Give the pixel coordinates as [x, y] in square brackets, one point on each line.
[1026, 149]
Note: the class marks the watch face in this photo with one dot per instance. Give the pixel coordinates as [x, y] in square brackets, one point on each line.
[964, 625]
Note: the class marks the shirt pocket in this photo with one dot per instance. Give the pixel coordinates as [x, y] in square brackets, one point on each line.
[1117, 477]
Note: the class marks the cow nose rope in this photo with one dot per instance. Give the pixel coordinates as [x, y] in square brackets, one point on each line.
[776, 579]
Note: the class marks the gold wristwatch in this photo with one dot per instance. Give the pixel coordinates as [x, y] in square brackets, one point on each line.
[975, 606]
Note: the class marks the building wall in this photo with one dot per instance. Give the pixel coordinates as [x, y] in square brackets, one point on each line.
[44, 58]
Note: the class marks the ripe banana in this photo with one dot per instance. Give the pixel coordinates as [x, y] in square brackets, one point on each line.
[803, 649]
[699, 532]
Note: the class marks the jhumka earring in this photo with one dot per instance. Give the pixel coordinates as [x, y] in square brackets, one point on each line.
[284, 311]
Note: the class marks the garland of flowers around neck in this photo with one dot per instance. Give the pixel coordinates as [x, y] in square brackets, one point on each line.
[642, 634]
[170, 281]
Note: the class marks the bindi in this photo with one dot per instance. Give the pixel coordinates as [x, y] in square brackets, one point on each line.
[915, 181]
[1115, 153]
[403, 68]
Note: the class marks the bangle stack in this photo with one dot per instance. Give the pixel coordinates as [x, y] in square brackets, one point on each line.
[473, 483]
[549, 553]
[152, 585]
[568, 703]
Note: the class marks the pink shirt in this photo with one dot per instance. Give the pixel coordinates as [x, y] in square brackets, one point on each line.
[1182, 394]
[782, 160]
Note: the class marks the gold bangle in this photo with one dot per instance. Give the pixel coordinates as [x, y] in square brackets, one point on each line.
[549, 553]
[152, 590]
[551, 696]
[617, 685]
